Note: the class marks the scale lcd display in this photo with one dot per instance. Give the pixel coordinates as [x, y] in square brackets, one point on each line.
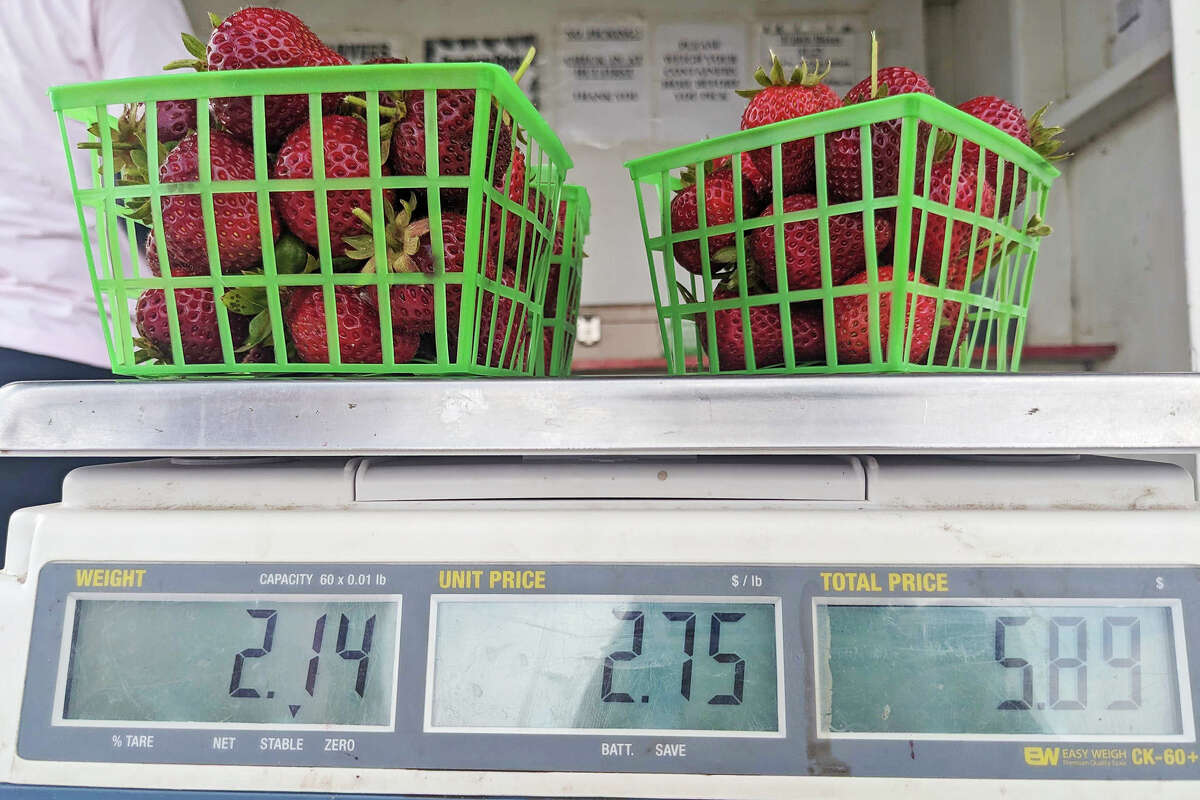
[229, 661]
[1000, 668]
[586, 663]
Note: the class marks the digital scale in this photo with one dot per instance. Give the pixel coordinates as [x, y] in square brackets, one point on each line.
[635, 588]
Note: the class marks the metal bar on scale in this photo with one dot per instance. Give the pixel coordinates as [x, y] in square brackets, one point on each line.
[984, 414]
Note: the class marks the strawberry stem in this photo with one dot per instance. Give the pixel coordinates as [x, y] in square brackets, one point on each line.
[358, 102]
[874, 66]
[521, 70]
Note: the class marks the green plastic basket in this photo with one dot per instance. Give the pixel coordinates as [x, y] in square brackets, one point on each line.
[561, 309]
[976, 326]
[496, 332]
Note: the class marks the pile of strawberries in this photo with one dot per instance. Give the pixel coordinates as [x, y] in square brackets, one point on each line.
[802, 93]
[256, 38]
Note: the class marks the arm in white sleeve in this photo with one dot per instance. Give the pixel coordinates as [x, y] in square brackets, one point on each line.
[137, 37]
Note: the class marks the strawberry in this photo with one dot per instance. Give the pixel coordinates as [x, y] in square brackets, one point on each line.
[1004, 115]
[808, 335]
[719, 209]
[258, 354]
[779, 99]
[239, 246]
[260, 38]
[359, 337]
[345, 140]
[176, 119]
[551, 304]
[547, 349]
[940, 177]
[455, 130]
[198, 332]
[509, 336]
[948, 346]
[766, 333]
[410, 249]
[852, 322]
[843, 152]
[506, 224]
[802, 245]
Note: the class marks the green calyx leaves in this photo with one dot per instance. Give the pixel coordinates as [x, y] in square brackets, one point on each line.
[196, 49]
[130, 161]
[402, 238]
[688, 176]
[259, 332]
[291, 258]
[1045, 141]
[144, 351]
[801, 75]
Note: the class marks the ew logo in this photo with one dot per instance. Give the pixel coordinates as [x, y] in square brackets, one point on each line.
[1042, 756]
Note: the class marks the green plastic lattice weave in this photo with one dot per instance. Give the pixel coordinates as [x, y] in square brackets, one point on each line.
[497, 329]
[561, 309]
[949, 322]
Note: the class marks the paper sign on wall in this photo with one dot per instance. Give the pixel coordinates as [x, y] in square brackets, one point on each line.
[840, 40]
[603, 81]
[507, 51]
[360, 47]
[700, 68]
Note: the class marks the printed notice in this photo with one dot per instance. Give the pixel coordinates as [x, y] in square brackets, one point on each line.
[360, 46]
[507, 51]
[603, 80]
[840, 40]
[700, 69]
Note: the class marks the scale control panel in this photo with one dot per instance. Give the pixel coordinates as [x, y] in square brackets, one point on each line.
[946, 672]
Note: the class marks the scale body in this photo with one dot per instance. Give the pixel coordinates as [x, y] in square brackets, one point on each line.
[793, 586]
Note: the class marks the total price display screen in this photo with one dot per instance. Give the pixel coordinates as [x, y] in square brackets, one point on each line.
[1066, 670]
[588, 663]
[259, 660]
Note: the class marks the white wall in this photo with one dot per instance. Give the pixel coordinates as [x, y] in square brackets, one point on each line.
[1113, 272]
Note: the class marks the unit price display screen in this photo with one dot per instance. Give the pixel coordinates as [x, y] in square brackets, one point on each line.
[225, 661]
[1002, 668]
[581, 663]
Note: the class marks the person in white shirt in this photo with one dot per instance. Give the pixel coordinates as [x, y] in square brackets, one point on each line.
[48, 319]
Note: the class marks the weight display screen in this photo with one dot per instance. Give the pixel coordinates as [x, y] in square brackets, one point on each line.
[260, 660]
[602, 663]
[1006, 669]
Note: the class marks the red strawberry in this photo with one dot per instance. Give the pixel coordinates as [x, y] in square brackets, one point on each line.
[852, 323]
[940, 177]
[506, 224]
[1004, 115]
[359, 339]
[548, 349]
[948, 346]
[260, 38]
[259, 354]
[843, 152]
[176, 119]
[551, 304]
[199, 335]
[802, 245]
[779, 99]
[239, 245]
[456, 126]
[152, 255]
[808, 335]
[345, 140]
[766, 333]
[719, 210]
[410, 249]
[510, 336]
